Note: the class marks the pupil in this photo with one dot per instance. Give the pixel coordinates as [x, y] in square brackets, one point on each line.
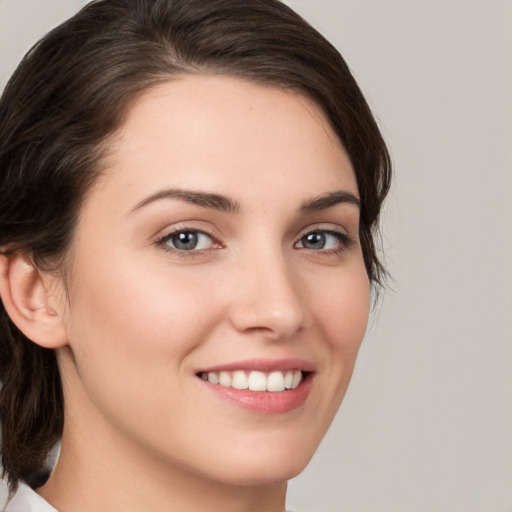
[315, 240]
[185, 241]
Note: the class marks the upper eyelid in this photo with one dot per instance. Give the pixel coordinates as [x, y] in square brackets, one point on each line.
[333, 232]
[188, 230]
[324, 227]
[180, 228]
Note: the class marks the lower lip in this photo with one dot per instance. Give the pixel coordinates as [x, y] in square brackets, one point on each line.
[265, 402]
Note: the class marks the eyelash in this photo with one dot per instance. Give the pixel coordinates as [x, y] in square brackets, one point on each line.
[344, 241]
[162, 242]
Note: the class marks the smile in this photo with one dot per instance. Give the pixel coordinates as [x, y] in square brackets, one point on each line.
[262, 386]
[274, 381]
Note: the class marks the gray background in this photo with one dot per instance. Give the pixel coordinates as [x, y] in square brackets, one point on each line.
[427, 423]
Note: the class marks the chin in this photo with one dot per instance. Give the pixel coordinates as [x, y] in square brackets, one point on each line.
[273, 472]
[264, 466]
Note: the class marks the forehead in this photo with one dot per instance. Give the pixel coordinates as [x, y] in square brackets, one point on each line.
[215, 132]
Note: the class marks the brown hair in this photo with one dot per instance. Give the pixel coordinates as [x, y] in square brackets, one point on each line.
[70, 93]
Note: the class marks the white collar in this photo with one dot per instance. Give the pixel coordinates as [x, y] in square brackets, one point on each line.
[27, 500]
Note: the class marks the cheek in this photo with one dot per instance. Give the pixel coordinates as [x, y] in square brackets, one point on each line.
[142, 309]
[344, 310]
[131, 331]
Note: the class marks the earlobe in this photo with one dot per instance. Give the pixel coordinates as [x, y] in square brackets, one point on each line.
[31, 302]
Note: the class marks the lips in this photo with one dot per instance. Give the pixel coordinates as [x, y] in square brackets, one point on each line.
[261, 385]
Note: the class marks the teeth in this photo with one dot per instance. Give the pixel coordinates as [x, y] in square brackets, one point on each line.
[213, 378]
[225, 379]
[275, 381]
[240, 380]
[297, 377]
[255, 381]
[288, 380]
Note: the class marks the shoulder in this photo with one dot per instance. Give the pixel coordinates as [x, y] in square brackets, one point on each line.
[27, 500]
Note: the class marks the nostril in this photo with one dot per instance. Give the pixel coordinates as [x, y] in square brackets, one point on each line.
[268, 322]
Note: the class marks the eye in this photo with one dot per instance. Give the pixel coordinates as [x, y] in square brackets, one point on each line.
[324, 240]
[187, 240]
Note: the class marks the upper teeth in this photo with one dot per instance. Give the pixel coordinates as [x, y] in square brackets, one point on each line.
[255, 381]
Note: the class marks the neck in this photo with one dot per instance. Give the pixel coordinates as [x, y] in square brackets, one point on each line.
[107, 473]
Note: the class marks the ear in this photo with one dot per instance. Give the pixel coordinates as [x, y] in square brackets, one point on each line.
[33, 301]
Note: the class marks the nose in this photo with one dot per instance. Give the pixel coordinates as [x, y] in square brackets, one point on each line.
[267, 298]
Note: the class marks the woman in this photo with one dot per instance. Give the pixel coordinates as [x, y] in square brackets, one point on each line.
[189, 196]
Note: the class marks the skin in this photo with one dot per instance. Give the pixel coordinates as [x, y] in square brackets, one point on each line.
[142, 431]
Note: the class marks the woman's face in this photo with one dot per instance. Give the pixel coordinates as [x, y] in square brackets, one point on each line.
[221, 244]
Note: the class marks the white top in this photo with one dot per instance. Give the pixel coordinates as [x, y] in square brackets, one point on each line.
[27, 500]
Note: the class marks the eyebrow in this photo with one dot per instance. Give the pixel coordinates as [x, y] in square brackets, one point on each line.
[328, 200]
[204, 199]
[225, 204]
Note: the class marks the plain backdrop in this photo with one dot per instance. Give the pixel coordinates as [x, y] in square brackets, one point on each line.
[427, 423]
